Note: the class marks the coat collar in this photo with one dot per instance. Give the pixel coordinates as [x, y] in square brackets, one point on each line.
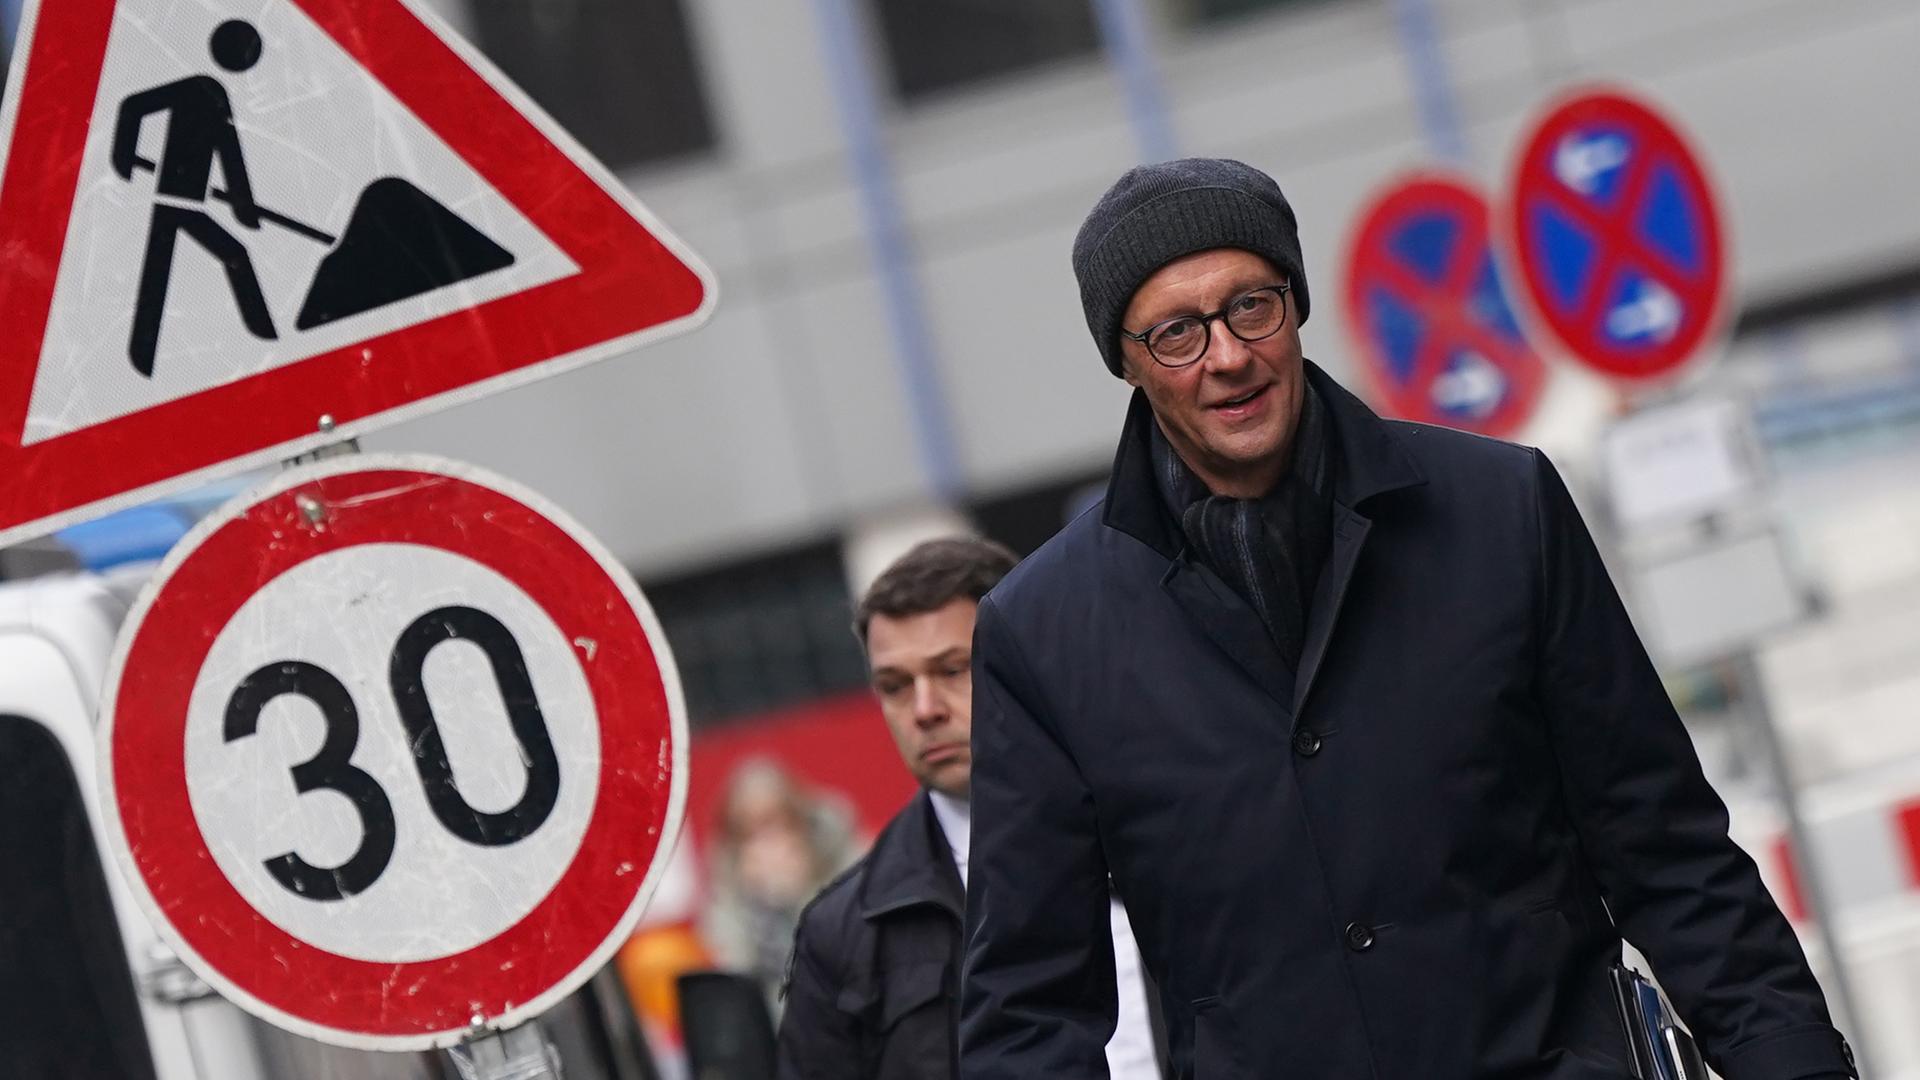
[1371, 461]
[911, 864]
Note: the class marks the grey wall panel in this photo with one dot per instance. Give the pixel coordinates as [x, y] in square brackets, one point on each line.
[1032, 399]
[1813, 139]
[769, 81]
[663, 453]
[838, 360]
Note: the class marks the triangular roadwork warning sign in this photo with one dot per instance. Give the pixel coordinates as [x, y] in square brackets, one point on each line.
[223, 222]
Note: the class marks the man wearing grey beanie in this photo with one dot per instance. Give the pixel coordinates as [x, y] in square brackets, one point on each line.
[1348, 713]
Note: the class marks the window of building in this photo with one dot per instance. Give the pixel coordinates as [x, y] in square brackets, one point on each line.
[761, 634]
[1208, 11]
[938, 45]
[619, 74]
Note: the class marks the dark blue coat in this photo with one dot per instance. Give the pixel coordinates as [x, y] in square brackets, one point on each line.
[873, 977]
[1413, 859]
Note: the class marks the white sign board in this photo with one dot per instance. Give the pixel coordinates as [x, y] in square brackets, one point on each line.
[1716, 600]
[1678, 461]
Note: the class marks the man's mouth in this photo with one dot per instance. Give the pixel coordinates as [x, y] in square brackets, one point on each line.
[1243, 399]
[939, 755]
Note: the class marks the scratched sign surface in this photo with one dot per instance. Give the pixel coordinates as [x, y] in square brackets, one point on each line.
[390, 746]
[226, 219]
[1617, 236]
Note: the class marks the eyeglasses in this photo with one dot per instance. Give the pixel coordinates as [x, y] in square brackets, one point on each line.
[1183, 339]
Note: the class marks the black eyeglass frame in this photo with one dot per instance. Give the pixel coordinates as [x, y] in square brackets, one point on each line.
[1206, 325]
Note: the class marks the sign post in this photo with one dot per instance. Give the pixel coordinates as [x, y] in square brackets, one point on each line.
[1710, 582]
[237, 232]
[392, 754]
[1427, 311]
[1753, 698]
[520, 1053]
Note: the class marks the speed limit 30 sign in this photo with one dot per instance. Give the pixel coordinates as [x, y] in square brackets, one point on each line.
[393, 749]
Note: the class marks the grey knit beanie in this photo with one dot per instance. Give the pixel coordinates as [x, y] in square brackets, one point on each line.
[1158, 213]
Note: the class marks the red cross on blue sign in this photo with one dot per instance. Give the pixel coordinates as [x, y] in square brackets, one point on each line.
[1616, 236]
[1425, 308]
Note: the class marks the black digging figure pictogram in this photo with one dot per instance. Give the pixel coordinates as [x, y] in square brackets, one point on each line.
[400, 242]
[199, 129]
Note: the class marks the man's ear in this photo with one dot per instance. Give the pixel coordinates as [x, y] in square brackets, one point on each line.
[1127, 368]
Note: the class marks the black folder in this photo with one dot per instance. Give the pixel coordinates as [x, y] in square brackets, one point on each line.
[1658, 1048]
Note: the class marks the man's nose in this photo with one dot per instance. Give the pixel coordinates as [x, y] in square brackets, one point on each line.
[1225, 352]
[928, 708]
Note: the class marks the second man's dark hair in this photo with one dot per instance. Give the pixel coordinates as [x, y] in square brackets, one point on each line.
[931, 576]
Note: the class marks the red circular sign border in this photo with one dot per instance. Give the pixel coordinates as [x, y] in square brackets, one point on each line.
[1428, 187]
[404, 1004]
[1623, 107]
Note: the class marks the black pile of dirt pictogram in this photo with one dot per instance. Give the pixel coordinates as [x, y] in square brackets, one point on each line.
[400, 243]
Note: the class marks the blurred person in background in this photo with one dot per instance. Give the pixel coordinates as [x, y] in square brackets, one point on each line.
[873, 988]
[776, 845]
[1349, 711]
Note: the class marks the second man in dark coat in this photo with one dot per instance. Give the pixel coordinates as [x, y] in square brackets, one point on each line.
[873, 988]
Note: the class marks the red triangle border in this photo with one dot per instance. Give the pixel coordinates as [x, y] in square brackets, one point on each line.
[631, 281]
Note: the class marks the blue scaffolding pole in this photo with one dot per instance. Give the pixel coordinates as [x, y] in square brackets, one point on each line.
[850, 68]
[1432, 87]
[1123, 30]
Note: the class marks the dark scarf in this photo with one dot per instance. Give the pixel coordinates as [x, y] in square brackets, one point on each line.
[1269, 549]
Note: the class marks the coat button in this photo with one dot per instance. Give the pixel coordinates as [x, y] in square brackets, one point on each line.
[1306, 743]
[1359, 937]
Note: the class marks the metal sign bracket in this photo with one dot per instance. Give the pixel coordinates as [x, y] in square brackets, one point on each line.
[330, 450]
[518, 1053]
